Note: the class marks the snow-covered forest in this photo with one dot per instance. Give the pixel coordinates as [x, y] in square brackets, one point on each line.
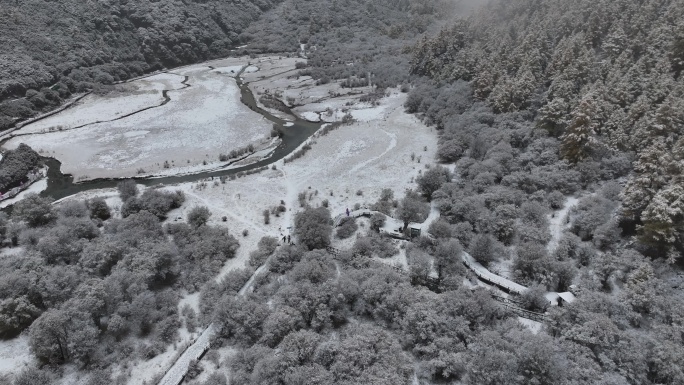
[499, 201]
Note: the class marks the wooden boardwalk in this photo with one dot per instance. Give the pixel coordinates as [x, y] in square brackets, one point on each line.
[354, 214]
[177, 372]
[487, 276]
[433, 283]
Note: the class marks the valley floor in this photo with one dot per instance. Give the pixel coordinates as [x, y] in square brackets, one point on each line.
[349, 165]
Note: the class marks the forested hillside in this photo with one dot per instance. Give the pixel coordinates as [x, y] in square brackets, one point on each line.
[601, 78]
[50, 49]
[348, 39]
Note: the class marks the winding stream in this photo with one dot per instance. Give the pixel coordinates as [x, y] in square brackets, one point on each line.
[62, 185]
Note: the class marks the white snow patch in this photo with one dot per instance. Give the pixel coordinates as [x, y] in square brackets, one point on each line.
[310, 116]
[133, 134]
[125, 99]
[558, 223]
[35, 188]
[234, 70]
[190, 299]
[15, 355]
[534, 326]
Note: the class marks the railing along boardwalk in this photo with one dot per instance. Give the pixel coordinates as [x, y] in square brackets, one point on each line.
[353, 214]
[176, 374]
[491, 278]
[515, 307]
[432, 283]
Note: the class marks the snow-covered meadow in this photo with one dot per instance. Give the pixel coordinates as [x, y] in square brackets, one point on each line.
[131, 132]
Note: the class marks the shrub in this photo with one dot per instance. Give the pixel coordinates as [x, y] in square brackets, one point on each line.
[589, 215]
[377, 221]
[35, 210]
[73, 209]
[533, 299]
[374, 245]
[15, 165]
[441, 229]
[127, 189]
[432, 180]
[33, 377]
[313, 227]
[532, 264]
[347, 228]
[199, 216]
[266, 247]
[556, 199]
[483, 249]
[99, 209]
[156, 201]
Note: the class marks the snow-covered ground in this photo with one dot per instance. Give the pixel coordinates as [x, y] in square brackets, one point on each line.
[15, 355]
[126, 98]
[199, 123]
[534, 326]
[35, 188]
[558, 223]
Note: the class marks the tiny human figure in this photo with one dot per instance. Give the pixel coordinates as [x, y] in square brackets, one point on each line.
[288, 239]
[284, 238]
[347, 211]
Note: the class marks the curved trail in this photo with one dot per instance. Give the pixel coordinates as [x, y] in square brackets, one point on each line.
[392, 145]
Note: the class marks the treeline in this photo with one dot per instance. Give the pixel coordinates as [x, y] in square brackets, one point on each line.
[53, 49]
[15, 165]
[94, 290]
[603, 80]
